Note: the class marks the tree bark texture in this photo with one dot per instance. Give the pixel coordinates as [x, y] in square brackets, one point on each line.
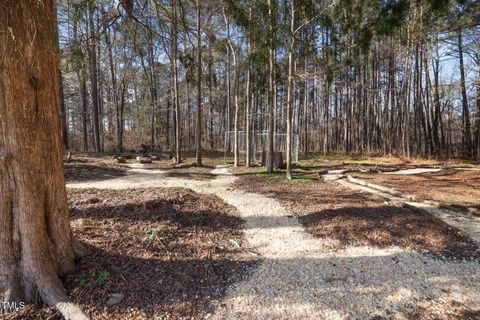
[36, 244]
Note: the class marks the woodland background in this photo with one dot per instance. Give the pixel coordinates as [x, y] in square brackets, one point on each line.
[367, 77]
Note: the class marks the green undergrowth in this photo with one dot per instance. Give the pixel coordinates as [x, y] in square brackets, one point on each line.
[299, 175]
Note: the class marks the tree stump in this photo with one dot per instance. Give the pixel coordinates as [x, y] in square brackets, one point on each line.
[277, 160]
[120, 159]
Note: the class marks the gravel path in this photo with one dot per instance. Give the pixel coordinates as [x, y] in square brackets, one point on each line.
[302, 277]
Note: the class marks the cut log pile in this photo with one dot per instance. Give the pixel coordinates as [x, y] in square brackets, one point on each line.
[120, 159]
[144, 159]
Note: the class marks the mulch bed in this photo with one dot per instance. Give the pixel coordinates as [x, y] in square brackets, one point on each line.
[79, 170]
[171, 252]
[461, 188]
[352, 218]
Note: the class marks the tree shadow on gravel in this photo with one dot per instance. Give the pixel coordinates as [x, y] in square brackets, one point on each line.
[386, 285]
[361, 287]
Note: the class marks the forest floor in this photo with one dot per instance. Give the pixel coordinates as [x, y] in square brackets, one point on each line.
[330, 160]
[188, 242]
[452, 186]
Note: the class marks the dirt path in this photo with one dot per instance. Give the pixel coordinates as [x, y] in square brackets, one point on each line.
[302, 277]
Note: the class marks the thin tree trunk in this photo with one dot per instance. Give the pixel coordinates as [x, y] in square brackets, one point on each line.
[198, 134]
[63, 113]
[113, 79]
[210, 97]
[477, 87]
[237, 107]
[437, 113]
[92, 53]
[61, 97]
[271, 86]
[465, 111]
[291, 64]
[83, 93]
[229, 93]
[120, 122]
[248, 100]
[237, 92]
[178, 132]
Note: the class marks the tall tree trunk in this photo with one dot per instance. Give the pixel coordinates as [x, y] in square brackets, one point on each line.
[465, 111]
[81, 78]
[198, 134]
[153, 88]
[437, 108]
[62, 110]
[113, 80]
[210, 96]
[291, 65]
[36, 245]
[477, 87]
[92, 53]
[229, 93]
[120, 109]
[237, 108]
[61, 96]
[176, 102]
[248, 101]
[237, 92]
[83, 94]
[305, 115]
[271, 86]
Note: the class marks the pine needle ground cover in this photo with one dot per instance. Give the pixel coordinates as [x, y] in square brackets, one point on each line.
[171, 253]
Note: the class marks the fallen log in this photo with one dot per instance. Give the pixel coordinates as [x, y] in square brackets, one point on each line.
[120, 159]
[391, 191]
[144, 160]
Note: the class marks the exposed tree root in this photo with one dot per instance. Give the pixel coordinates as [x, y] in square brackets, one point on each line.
[53, 293]
[81, 250]
[71, 311]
